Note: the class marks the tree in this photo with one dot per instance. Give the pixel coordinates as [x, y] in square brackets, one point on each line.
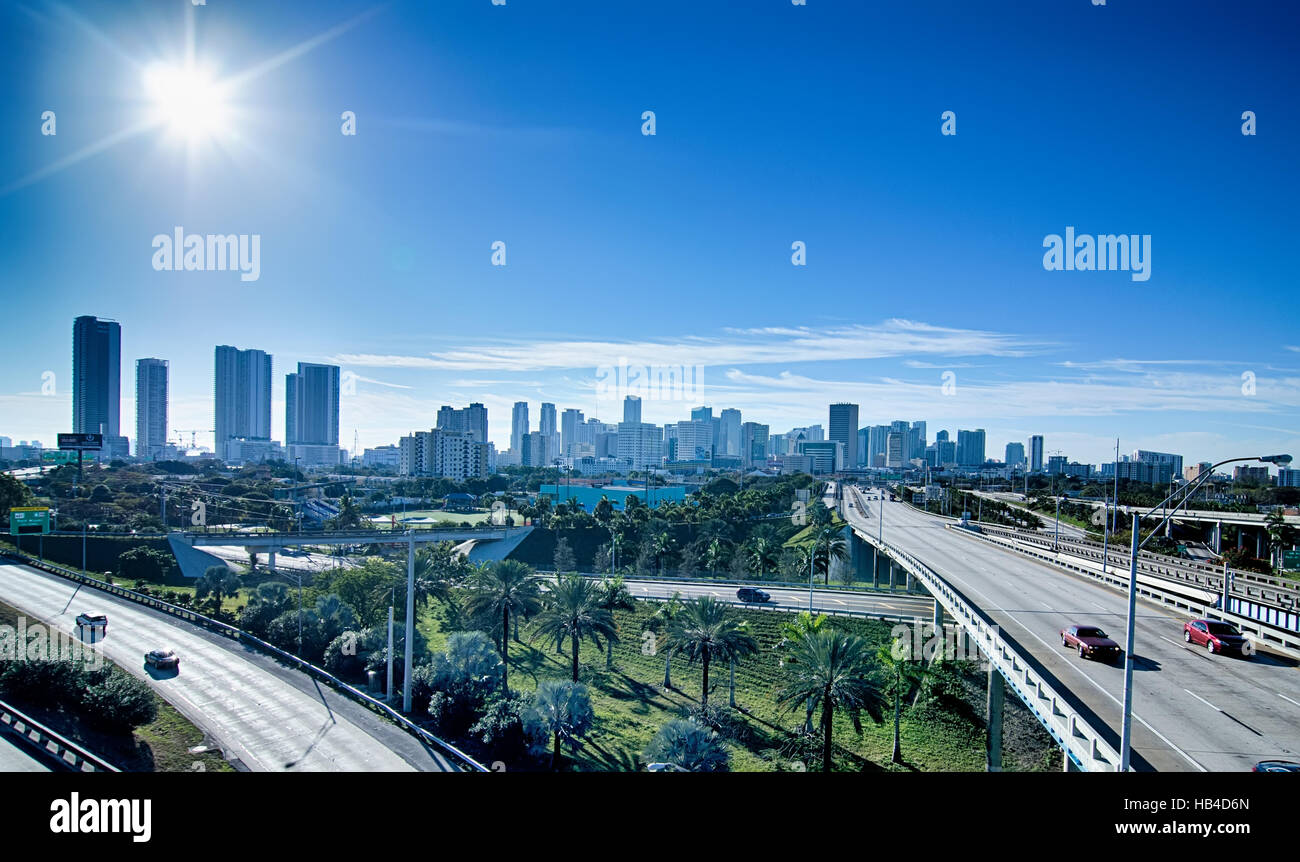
[829, 545]
[707, 629]
[464, 675]
[572, 610]
[509, 587]
[661, 545]
[761, 555]
[1281, 535]
[559, 710]
[689, 746]
[833, 669]
[604, 512]
[904, 672]
[218, 582]
[349, 516]
[792, 633]
[143, 564]
[563, 560]
[661, 621]
[13, 493]
[614, 596]
[715, 555]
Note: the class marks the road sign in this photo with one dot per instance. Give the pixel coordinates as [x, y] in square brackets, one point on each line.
[25, 520]
[57, 456]
[82, 442]
[1291, 560]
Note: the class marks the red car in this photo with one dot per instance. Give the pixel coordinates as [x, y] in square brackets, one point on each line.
[1216, 636]
[1090, 641]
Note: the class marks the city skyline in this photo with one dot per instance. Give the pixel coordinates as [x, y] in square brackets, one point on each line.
[376, 249]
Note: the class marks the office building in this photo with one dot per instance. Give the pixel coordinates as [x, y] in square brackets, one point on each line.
[877, 445]
[695, 440]
[571, 423]
[97, 382]
[640, 444]
[1015, 456]
[753, 444]
[241, 386]
[1036, 453]
[843, 425]
[518, 428]
[826, 456]
[896, 450]
[382, 457]
[728, 442]
[1249, 474]
[150, 408]
[1288, 478]
[1146, 456]
[311, 414]
[970, 448]
[632, 409]
[470, 420]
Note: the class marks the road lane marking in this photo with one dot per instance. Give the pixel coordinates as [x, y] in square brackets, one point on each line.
[1287, 699]
[1202, 700]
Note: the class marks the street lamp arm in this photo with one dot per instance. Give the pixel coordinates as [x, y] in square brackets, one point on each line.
[1205, 474]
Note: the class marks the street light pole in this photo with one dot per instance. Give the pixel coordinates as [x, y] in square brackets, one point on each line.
[1126, 734]
[408, 653]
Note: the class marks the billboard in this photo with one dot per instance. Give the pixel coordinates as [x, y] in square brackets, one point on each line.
[82, 442]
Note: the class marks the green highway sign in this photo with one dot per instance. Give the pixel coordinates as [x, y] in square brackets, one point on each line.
[1291, 559]
[58, 456]
[24, 520]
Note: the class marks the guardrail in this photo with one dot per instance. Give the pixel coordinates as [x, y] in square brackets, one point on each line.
[244, 637]
[1081, 741]
[772, 608]
[33, 734]
[705, 579]
[1259, 627]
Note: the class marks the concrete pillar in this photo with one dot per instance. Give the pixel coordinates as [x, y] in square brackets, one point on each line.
[1068, 765]
[1218, 537]
[993, 742]
[892, 569]
[1241, 537]
[938, 616]
[270, 560]
[1259, 545]
[909, 583]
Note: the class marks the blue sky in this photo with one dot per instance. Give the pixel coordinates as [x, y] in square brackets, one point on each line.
[775, 124]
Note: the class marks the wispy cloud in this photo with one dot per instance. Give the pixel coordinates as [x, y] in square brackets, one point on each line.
[891, 339]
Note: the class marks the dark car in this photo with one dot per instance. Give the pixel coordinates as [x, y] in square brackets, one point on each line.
[1276, 766]
[753, 594]
[1217, 636]
[1090, 641]
[163, 659]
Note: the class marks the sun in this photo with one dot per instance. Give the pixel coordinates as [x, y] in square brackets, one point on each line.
[186, 100]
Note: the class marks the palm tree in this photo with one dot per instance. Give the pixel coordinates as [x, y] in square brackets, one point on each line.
[714, 554]
[792, 633]
[661, 620]
[559, 710]
[905, 673]
[218, 582]
[509, 587]
[831, 668]
[572, 610]
[614, 596]
[689, 746]
[761, 555]
[707, 629]
[830, 541]
[661, 546]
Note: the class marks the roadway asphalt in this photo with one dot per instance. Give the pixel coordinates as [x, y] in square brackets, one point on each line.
[270, 717]
[1192, 710]
[792, 599]
[14, 759]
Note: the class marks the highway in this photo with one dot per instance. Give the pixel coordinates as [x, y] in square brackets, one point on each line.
[793, 599]
[270, 717]
[1192, 710]
[15, 759]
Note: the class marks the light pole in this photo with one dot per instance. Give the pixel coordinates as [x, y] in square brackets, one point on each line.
[1126, 732]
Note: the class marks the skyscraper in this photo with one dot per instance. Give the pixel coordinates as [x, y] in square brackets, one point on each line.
[518, 428]
[1036, 453]
[571, 422]
[546, 422]
[632, 409]
[97, 381]
[150, 408]
[1015, 454]
[728, 442]
[753, 442]
[470, 420]
[844, 429]
[242, 391]
[311, 405]
[970, 448]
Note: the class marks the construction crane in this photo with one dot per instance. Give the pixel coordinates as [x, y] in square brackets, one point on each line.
[193, 432]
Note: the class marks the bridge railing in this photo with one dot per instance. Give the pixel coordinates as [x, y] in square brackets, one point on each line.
[242, 636]
[1070, 728]
[46, 742]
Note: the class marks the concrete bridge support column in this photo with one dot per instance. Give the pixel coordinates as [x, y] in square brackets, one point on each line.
[892, 570]
[1241, 537]
[270, 560]
[1218, 537]
[993, 717]
[1068, 765]
[910, 584]
[1259, 544]
[938, 616]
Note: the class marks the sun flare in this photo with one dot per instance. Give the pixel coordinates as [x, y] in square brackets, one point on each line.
[186, 100]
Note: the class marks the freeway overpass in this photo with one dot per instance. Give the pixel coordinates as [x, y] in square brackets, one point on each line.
[1192, 711]
[266, 715]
